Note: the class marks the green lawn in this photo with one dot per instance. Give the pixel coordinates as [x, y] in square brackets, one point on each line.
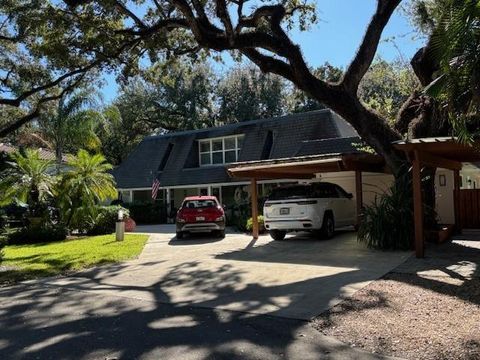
[46, 259]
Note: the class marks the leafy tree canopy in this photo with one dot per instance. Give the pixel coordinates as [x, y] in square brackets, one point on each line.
[386, 86]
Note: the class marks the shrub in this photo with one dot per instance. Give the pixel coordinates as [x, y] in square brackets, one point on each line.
[3, 220]
[104, 222]
[148, 213]
[261, 224]
[388, 223]
[3, 242]
[37, 234]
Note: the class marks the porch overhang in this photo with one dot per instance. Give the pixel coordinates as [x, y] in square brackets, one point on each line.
[306, 167]
[435, 152]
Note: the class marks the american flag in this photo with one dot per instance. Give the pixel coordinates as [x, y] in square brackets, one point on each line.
[155, 187]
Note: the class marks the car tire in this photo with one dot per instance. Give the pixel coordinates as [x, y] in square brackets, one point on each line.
[221, 233]
[328, 226]
[278, 234]
[179, 235]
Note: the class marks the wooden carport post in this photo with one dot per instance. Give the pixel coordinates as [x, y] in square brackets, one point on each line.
[456, 199]
[359, 195]
[417, 205]
[254, 199]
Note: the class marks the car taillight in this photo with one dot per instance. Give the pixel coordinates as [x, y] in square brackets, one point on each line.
[180, 217]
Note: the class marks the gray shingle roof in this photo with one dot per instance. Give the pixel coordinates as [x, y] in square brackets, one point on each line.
[45, 154]
[341, 145]
[292, 135]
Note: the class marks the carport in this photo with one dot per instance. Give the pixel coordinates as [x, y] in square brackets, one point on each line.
[439, 152]
[306, 167]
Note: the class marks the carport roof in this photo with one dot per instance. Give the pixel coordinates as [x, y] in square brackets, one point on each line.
[306, 166]
[447, 148]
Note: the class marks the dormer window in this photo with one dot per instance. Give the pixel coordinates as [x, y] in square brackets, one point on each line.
[217, 151]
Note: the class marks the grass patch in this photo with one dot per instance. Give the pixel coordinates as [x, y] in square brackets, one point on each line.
[23, 262]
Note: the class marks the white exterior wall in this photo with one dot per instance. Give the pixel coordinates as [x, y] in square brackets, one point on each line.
[444, 197]
[373, 184]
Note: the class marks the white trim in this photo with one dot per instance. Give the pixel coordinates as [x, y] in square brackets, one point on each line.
[210, 152]
[193, 186]
[134, 189]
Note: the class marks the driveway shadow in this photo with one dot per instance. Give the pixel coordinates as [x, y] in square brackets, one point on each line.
[40, 320]
[195, 239]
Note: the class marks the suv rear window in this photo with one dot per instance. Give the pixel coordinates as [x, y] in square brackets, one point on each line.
[197, 204]
[317, 190]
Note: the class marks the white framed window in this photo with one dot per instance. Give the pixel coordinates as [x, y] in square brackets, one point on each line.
[223, 150]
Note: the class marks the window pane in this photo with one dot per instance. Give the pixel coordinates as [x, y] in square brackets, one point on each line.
[205, 159]
[205, 146]
[240, 141]
[230, 156]
[217, 157]
[229, 143]
[217, 145]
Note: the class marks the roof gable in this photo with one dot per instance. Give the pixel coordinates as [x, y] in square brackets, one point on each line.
[289, 134]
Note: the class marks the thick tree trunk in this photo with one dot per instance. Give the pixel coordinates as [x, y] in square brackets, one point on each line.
[371, 127]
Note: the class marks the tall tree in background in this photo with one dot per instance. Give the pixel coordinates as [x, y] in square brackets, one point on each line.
[124, 36]
[386, 86]
[299, 101]
[119, 135]
[71, 125]
[245, 93]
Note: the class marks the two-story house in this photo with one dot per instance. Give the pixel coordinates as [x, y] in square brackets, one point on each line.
[194, 162]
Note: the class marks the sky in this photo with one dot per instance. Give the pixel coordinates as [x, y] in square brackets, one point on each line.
[336, 37]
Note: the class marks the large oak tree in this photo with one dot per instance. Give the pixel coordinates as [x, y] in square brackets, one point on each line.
[77, 36]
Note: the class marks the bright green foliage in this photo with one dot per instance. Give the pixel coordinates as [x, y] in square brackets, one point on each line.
[386, 86]
[27, 180]
[455, 43]
[49, 259]
[104, 222]
[261, 224]
[71, 125]
[85, 184]
[245, 93]
[388, 223]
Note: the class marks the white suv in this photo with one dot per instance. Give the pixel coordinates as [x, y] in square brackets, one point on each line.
[316, 207]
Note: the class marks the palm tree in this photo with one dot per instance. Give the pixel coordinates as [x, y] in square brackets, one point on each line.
[86, 183]
[71, 125]
[455, 43]
[27, 180]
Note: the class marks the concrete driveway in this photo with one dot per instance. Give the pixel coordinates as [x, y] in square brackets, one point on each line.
[174, 301]
[297, 278]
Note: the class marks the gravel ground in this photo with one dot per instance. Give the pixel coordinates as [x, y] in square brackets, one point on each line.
[411, 316]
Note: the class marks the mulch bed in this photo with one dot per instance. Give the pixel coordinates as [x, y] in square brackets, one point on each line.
[410, 316]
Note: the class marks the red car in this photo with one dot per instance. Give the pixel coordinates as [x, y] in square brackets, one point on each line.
[200, 214]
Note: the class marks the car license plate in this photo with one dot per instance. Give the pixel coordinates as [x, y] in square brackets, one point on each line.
[284, 211]
[200, 218]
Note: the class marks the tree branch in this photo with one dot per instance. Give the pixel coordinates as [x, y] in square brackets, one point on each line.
[35, 113]
[366, 52]
[17, 101]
